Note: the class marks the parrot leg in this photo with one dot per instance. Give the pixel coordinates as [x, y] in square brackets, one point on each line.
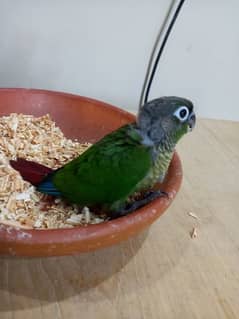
[148, 197]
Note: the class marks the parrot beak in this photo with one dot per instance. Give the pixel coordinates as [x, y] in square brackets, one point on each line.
[191, 121]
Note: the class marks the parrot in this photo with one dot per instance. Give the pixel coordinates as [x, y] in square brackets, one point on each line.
[129, 160]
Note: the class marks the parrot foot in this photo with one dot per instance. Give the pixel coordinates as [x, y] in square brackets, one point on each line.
[148, 197]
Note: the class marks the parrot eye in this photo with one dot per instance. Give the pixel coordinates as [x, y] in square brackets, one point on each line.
[182, 113]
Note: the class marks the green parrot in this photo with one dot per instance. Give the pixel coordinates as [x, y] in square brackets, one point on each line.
[131, 159]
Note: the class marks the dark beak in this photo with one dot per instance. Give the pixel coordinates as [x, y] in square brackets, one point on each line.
[191, 121]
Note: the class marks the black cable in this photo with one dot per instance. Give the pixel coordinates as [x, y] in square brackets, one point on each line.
[161, 49]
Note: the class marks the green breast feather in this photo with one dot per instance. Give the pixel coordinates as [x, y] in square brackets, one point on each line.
[107, 172]
[157, 171]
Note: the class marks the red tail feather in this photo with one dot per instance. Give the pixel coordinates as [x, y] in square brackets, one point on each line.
[31, 171]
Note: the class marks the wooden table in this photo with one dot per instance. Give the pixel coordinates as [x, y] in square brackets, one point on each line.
[163, 273]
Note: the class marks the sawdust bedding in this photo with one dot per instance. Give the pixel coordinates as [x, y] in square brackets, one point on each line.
[36, 139]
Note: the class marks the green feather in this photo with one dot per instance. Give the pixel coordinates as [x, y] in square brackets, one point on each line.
[108, 172]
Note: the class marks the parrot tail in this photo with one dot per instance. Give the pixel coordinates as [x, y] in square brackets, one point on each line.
[36, 174]
[31, 172]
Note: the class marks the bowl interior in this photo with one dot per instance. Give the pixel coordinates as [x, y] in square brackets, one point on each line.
[78, 117]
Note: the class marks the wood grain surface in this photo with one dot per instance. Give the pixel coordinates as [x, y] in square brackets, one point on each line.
[163, 273]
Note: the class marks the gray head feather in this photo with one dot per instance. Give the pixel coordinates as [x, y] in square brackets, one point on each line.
[156, 118]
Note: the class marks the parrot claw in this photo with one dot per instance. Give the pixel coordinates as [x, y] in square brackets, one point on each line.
[148, 197]
[155, 194]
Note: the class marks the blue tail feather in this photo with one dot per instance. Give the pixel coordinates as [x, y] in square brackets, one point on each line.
[47, 187]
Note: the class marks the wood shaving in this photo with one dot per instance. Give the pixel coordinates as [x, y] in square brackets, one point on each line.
[36, 139]
[194, 233]
[193, 215]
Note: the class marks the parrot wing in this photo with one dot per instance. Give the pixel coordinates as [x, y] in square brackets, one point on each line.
[107, 172]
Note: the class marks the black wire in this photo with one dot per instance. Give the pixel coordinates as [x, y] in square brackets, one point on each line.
[161, 49]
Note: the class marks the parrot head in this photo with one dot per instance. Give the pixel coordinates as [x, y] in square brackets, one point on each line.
[166, 117]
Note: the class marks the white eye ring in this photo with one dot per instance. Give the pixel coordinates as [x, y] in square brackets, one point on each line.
[182, 113]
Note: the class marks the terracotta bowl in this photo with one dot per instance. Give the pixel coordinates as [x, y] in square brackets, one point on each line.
[87, 120]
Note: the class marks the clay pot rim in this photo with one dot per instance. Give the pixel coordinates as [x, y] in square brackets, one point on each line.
[71, 95]
[96, 235]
